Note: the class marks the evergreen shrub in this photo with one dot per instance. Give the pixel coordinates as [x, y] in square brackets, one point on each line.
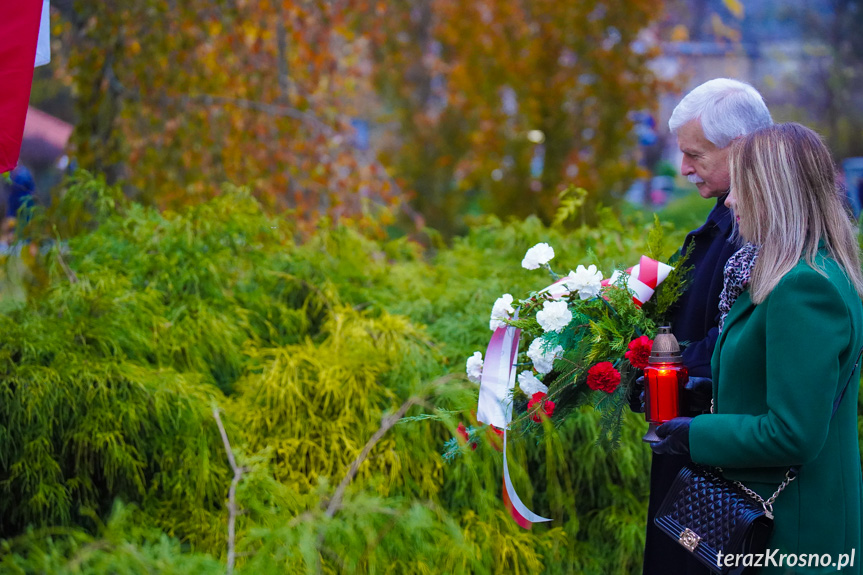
[136, 324]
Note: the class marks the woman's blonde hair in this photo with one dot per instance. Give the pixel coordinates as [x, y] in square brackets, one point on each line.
[784, 182]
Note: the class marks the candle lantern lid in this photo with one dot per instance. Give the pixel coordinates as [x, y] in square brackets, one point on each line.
[665, 347]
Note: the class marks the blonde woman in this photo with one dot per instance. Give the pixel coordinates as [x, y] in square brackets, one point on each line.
[788, 346]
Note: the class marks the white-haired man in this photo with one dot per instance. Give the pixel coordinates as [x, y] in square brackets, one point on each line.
[706, 121]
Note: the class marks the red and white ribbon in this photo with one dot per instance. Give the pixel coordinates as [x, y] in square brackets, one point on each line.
[498, 377]
[643, 278]
[495, 408]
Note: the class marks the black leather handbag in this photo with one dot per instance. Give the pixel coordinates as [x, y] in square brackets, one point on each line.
[709, 514]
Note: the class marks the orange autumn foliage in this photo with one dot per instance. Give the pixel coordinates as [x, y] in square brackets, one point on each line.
[474, 83]
[175, 98]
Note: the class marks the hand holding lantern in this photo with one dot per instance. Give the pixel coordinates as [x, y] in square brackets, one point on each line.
[664, 377]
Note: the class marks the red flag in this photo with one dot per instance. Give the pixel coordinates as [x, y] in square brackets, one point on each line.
[19, 31]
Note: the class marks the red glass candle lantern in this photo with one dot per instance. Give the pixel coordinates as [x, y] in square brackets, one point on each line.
[664, 378]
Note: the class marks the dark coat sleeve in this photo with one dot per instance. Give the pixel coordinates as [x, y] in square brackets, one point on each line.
[695, 317]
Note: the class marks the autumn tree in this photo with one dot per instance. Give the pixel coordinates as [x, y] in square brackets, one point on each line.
[322, 107]
[504, 103]
[175, 98]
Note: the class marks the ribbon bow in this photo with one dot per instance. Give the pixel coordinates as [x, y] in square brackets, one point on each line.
[495, 408]
[643, 278]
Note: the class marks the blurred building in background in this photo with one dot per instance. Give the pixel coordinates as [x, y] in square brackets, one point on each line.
[775, 45]
[802, 55]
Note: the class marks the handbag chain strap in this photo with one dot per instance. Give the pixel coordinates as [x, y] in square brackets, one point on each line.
[767, 504]
[791, 474]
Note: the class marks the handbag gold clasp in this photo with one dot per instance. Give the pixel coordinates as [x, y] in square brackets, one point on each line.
[689, 539]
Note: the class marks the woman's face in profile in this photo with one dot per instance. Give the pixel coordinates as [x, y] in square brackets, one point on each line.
[731, 203]
[731, 200]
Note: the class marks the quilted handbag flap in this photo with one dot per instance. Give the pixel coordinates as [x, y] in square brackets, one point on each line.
[708, 514]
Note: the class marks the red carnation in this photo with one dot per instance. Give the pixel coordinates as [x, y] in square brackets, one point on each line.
[639, 351]
[547, 406]
[603, 376]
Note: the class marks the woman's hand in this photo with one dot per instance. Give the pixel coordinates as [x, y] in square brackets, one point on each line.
[675, 437]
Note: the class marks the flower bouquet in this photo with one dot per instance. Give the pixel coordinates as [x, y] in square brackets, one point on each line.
[580, 341]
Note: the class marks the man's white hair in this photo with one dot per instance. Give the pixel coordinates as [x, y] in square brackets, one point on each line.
[726, 108]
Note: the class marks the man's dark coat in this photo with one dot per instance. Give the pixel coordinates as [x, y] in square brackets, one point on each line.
[694, 322]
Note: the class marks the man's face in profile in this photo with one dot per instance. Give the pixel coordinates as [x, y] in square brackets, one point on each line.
[703, 163]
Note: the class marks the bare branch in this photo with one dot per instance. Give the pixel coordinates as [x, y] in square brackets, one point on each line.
[66, 269]
[336, 501]
[310, 120]
[271, 109]
[288, 112]
[73, 278]
[233, 511]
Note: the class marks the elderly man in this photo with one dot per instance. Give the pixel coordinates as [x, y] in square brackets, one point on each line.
[706, 121]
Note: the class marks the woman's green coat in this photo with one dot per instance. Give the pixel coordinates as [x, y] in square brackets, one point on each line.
[777, 369]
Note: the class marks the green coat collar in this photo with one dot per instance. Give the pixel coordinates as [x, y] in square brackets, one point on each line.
[738, 309]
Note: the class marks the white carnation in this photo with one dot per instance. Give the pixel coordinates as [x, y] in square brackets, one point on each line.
[529, 384]
[536, 256]
[501, 310]
[586, 281]
[554, 316]
[474, 367]
[543, 361]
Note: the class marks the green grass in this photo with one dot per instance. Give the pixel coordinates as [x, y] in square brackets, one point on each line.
[687, 211]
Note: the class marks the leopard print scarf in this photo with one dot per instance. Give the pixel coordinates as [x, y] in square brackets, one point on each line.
[738, 268]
